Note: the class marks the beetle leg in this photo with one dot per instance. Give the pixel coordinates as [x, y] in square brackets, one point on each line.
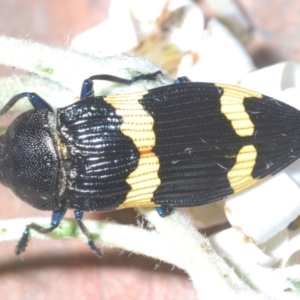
[36, 101]
[164, 211]
[78, 216]
[87, 89]
[55, 221]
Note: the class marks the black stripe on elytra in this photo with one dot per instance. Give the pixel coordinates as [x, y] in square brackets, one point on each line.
[277, 134]
[195, 143]
[101, 157]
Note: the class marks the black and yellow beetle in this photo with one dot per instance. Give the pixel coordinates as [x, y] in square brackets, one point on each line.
[185, 144]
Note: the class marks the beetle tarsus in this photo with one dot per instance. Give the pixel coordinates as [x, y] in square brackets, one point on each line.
[23, 242]
[78, 216]
[55, 221]
[36, 101]
[87, 89]
[164, 211]
[93, 247]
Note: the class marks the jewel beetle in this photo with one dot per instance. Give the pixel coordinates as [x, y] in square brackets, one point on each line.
[184, 144]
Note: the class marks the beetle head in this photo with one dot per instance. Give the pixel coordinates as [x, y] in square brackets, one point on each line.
[29, 162]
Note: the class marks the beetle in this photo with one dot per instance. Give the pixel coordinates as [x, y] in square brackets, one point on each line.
[184, 144]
